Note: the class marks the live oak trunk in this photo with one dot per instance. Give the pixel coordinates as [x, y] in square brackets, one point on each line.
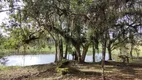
[109, 52]
[60, 47]
[120, 50]
[56, 46]
[131, 51]
[103, 58]
[93, 49]
[78, 53]
[66, 51]
[85, 49]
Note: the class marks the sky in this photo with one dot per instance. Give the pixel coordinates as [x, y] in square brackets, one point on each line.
[3, 17]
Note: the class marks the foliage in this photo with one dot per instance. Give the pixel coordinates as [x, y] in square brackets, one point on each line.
[77, 23]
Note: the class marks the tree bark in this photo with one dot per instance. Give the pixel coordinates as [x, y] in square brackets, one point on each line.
[66, 51]
[120, 50]
[109, 52]
[60, 50]
[78, 53]
[93, 49]
[131, 51]
[56, 57]
[103, 58]
[85, 49]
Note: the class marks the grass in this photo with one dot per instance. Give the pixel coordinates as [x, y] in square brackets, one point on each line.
[8, 67]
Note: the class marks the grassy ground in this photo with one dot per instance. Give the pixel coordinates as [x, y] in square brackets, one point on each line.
[87, 71]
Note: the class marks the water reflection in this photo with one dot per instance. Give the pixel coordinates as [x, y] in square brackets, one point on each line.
[26, 60]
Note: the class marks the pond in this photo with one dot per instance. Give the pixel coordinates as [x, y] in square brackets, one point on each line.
[27, 60]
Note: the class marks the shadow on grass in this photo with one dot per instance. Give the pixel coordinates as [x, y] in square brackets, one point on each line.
[90, 73]
[46, 71]
[127, 70]
[124, 68]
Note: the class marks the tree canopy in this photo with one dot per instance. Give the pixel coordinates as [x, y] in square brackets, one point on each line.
[78, 23]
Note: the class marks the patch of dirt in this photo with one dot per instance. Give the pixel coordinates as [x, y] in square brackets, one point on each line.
[87, 71]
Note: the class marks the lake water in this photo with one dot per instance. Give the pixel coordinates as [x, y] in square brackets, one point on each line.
[27, 60]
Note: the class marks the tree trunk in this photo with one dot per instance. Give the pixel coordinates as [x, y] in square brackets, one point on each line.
[66, 52]
[56, 47]
[60, 50]
[78, 53]
[103, 58]
[131, 51]
[120, 50]
[109, 52]
[85, 49]
[74, 55]
[93, 49]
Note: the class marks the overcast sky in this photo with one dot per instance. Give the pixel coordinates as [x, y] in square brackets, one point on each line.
[3, 17]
